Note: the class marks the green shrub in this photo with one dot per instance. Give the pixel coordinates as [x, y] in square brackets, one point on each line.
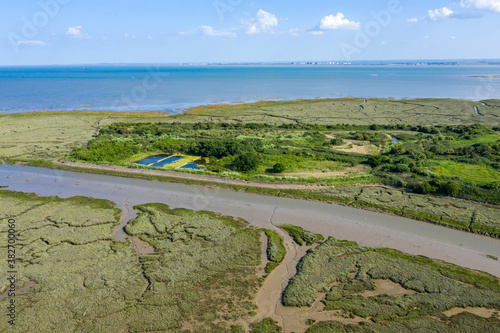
[267, 325]
[279, 168]
[246, 162]
[424, 188]
[451, 188]
[337, 142]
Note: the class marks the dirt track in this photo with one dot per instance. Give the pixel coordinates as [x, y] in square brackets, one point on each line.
[190, 176]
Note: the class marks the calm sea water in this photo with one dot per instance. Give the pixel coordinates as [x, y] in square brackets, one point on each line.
[174, 88]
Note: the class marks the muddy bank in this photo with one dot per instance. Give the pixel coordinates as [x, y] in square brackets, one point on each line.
[365, 227]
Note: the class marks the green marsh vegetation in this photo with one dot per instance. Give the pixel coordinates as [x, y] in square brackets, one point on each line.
[202, 275]
[346, 272]
[275, 250]
[267, 325]
[84, 280]
[301, 236]
[416, 112]
[203, 268]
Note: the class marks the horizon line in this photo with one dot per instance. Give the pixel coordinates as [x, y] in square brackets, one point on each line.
[276, 62]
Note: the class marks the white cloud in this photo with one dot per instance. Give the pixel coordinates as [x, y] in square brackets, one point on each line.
[412, 20]
[488, 5]
[440, 14]
[453, 37]
[264, 21]
[316, 32]
[76, 32]
[150, 37]
[338, 22]
[211, 32]
[31, 42]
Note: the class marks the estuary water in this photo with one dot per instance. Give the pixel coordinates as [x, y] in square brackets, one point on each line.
[365, 227]
[176, 88]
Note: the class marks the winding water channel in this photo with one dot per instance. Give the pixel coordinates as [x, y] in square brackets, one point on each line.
[365, 227]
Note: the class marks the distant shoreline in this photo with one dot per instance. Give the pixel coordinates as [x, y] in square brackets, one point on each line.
[226, 104]
[487, 76]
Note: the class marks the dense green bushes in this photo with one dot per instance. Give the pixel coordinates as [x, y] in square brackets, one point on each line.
[279, 168]
[235, 146]
[219, 147]
[247, 162]
[105, 151]
[414, 159]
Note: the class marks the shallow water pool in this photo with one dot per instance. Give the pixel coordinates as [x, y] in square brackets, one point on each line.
[194, 166]
[167, 161]
[152, 159]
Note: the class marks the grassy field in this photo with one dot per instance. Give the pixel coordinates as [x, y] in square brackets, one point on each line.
[481, 139]
[473, 172]
[354, 282]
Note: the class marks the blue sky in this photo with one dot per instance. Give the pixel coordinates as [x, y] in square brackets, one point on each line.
[174, 31]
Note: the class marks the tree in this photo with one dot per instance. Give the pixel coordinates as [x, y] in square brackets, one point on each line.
[247, 162]
[375, 161]
[336, 142]
[451, 188]
[279, 168]
[398, 150]
[424, 188]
